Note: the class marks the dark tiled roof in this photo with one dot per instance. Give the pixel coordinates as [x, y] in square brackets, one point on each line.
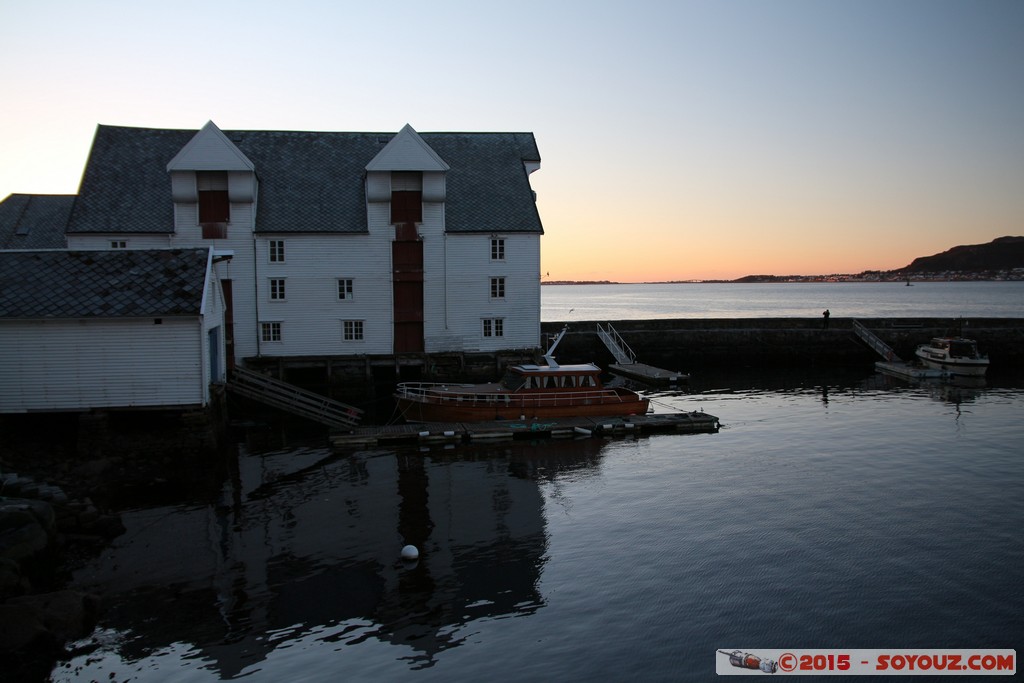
[309, 181]
[34, 221]
[102, 284]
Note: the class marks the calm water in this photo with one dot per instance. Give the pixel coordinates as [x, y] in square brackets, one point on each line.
[785, 300]
[832, 510]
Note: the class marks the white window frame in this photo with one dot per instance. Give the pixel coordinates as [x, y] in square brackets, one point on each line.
[277, 292]
[497, 288]
[271, 331]
[497, 249]
[353, 331]
[493, 327]
[349, 289]
[276, 251]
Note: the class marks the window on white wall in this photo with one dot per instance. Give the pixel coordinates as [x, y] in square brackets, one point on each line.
[118, 244]
[497, 288]
[277, 251]
[497, 249]
[270, 332]
[494, 327]
[344, 289]
[277, 289]
[352, 330]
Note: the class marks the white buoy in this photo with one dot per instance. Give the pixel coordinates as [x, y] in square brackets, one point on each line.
[410, 552]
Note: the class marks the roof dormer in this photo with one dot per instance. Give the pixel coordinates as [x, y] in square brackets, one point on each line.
[406, 158]
[407, 152]
[210, 150]
[211, 173]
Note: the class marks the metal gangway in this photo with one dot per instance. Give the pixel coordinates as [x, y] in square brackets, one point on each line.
[293, 399]
[616, 344]
[875, 343]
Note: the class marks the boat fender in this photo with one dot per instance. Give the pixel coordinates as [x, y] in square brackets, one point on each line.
[581, 430]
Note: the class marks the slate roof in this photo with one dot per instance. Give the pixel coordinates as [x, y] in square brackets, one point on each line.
[308, 181]
[37, 221]
[102, 284]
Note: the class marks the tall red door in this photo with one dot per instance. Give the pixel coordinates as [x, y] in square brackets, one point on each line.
[407, 275]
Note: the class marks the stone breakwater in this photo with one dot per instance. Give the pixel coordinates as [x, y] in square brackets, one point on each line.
[38, 523]
[686, 344]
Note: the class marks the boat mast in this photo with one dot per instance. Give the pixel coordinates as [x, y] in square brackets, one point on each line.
[549, 357]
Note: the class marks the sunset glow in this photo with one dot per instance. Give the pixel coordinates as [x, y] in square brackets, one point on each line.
[680, 140]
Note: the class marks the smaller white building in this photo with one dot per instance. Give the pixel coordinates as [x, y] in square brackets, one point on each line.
[82, 330]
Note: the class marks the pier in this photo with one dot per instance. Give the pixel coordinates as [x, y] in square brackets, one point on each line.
[505, 430]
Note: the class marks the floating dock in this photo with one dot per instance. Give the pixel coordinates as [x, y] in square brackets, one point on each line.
[648, 374]
[907, 371]
[503, 430]
[625, 364]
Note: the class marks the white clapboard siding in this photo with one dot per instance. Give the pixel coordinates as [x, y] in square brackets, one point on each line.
[469, 270]
[311, 315]
[55, 365]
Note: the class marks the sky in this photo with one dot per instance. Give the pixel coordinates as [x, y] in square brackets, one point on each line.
[680, 140]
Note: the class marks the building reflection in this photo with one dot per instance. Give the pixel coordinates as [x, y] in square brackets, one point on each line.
[310, 547]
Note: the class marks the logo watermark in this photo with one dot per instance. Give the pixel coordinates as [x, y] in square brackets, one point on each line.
[861, 662]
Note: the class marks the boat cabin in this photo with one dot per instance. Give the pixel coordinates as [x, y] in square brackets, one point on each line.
[562, 377]
[956, 348]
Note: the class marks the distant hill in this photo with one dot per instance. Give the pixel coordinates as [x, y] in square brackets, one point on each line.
[1003, 253]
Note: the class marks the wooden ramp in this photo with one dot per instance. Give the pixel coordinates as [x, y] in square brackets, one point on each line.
[293, 399]
[625, 364]
[504, 430]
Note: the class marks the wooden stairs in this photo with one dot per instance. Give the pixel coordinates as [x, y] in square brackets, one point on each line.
[293, 399]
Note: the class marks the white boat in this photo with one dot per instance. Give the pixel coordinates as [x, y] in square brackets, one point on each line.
[955, 355]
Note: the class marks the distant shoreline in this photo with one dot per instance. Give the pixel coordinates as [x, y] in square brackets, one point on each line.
[1008, 276]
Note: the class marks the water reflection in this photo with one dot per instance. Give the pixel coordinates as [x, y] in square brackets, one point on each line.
[306, 542]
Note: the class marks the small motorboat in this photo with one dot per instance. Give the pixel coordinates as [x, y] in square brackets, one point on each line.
[954, 355]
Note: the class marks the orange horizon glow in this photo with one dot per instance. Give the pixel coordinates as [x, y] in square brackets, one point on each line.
[694, 140]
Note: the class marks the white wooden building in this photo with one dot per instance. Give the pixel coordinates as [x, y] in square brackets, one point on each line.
[333, 244]
[83, 330]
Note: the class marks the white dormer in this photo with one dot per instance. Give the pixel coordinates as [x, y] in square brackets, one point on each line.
[208, 176]
[210, 150]
[407, 152]
[404, 154]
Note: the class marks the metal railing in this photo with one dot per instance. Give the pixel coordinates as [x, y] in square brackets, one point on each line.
[616, 344]
[447, 394]
[875, 343]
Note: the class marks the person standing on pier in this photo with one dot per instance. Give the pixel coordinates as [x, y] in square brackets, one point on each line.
[825, 314]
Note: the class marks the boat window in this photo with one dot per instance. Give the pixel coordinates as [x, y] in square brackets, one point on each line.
[588, 381]
[513, 380]
[962, 350]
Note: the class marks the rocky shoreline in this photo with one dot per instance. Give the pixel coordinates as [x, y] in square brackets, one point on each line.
[41, 530]
[60, 491]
